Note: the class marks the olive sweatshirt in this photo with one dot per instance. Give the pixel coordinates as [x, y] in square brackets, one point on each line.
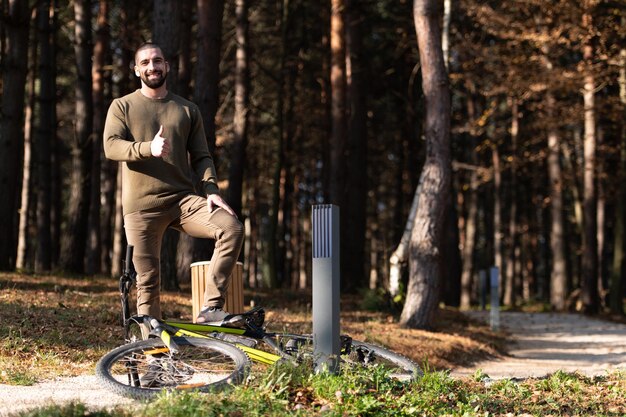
[148, 182]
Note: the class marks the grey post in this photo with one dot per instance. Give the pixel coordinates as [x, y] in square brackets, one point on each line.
[326, 344]
[495, 299]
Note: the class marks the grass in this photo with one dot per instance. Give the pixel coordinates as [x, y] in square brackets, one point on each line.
[292, 391]
[58, 326]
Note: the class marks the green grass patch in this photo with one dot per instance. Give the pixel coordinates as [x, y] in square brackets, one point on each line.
[286, 390]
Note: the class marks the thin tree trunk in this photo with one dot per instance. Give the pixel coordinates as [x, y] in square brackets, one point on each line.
[353, 250]
[558, 276]
[184, 62]
[616, 286]
[74, 242]
[240, 122]
[497, 211]
[338, 101]
[14, 70]
[427, 235]
[93, 265]
[589, 279]
[509, 274]
[469, 242]
[45, 136]
[209, 14]
[28, 166]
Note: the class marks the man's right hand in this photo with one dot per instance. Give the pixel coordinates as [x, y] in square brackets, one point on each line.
[160, 146]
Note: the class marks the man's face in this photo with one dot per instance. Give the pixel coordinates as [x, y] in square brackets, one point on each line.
[151, 67]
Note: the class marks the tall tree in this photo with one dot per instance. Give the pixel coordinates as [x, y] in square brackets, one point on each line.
[558, 274]
[28, 166]
[240, 118]
[74, 242]
[16, 22]
[93, 261]
[427, 235]
[589, 279]
[353, 250]
[46, 133]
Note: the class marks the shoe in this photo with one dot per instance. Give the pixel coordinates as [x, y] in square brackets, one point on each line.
[153, 376]
[211, 315]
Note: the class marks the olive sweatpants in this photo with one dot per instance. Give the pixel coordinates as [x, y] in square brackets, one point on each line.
[145, 229]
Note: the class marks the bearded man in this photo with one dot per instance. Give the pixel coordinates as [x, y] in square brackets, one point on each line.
[158, 138]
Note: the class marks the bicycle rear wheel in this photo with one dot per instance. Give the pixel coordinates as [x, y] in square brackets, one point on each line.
[142, 369]
[355, 353]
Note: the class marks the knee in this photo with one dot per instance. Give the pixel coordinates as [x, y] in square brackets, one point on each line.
[234, 232]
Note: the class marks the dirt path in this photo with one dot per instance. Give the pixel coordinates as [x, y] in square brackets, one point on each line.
[542, 343]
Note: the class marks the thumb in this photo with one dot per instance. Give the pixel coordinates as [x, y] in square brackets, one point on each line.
[160, 131]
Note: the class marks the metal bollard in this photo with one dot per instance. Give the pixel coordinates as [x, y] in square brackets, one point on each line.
[326, 342]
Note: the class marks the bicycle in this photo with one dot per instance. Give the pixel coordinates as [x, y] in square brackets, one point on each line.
[205, 357]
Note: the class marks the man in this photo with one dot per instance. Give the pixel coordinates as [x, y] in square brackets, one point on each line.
[157, 135]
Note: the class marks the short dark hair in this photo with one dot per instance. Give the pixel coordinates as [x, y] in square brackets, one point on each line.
[146, 45]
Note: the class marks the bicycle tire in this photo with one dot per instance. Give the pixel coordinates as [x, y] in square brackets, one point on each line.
[201, 364]
[357, 353]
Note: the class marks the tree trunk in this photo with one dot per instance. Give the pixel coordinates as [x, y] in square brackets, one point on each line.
[14, 70]
[558, 276]
[209, 40]
[93, 265]
[589, 279]
[616, 286]
[497, 212]
[353, 244]
[509, 274]
[46, 128]
[427, 235]
[28, 167]
[184, 62]
[338, 101]
[240, 122]
[74, 242]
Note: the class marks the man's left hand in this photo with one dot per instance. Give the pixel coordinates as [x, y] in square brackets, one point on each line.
[214, 201]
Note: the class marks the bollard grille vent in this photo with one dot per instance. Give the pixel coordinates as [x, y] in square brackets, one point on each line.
[323, 231]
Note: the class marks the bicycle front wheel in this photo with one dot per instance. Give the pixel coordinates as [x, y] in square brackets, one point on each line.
[142, 369]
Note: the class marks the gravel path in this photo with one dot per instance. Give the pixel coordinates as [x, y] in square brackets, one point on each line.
[541, 343]
[84, 389]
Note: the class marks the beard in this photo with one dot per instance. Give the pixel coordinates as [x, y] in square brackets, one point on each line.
[154, 83]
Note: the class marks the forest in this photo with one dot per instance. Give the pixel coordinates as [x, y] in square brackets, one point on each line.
[454, 136]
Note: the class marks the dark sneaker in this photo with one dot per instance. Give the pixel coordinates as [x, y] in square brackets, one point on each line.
[211, 315]
[153, 376]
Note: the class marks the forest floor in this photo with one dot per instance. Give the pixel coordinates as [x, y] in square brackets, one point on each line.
[53, 329]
